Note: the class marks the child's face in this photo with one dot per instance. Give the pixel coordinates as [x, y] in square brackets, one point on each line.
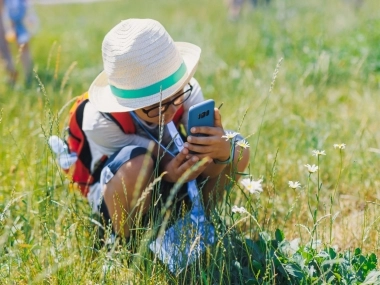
[167, 108]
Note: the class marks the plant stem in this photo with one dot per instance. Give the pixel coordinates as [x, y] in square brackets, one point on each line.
[332, 197]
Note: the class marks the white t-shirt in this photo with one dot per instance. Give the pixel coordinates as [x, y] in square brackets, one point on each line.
[105, 137]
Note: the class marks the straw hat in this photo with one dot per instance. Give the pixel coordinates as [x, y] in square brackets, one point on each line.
[142, 65]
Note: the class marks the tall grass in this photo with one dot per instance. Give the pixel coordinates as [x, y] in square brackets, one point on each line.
[325, 93]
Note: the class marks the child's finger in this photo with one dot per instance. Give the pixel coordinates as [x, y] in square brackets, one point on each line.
[217, 118]
[187, 164]
[179, 159]
[198, 170]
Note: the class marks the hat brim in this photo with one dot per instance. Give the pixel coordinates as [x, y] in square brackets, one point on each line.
[101, 96]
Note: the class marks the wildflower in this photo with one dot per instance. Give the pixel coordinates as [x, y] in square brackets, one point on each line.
[236, 209]
[254, 187]
[237, 264]
[243, 144]
[318, 152]
[230, 135]
[291, 247]
[294, 185]
[340, 146]
[294, 244]
[311, 168]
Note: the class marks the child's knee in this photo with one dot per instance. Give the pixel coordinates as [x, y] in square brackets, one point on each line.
[130, 179]
[139, 168]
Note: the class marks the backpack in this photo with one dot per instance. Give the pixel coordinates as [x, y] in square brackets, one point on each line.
[77, 142]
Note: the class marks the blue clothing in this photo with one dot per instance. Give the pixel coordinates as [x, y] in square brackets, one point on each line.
[16, 10]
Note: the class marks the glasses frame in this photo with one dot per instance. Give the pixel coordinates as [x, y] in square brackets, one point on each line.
[164, 107]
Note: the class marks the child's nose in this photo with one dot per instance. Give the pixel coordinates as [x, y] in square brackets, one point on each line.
[171, 109]
[169, 114]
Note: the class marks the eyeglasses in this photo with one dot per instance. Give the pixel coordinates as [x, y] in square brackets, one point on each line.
[176, 101]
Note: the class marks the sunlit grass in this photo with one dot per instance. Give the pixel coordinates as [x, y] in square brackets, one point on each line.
[325, 94]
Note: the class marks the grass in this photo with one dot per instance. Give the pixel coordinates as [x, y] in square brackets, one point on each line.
[325, 93]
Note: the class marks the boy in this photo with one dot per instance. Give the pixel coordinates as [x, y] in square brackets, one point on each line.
[5, 52]
[15, 13]
[151, 77]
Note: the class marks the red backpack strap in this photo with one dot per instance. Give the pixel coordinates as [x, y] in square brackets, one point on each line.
[178, 115]
[124, 121]
[74, 128]
[85, 153]
[78, 143]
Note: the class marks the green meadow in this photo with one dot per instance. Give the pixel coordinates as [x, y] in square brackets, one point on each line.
[294, 77]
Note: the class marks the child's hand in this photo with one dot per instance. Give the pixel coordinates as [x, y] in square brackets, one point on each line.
[212, 145]
[178, 165]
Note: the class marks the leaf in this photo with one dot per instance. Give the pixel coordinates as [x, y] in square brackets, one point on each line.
[332, 253]
[331, 279]
[279, 235]
[333, 261]
[323, 254]
[337, 276]
[257, 266]
[294, 270]
[372, 261]
[256, 251]
[299, 260]
[264, 236]
[372, 278]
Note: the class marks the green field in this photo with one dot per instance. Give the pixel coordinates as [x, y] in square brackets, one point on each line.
[324, 91]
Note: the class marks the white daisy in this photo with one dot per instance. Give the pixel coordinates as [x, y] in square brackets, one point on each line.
[294, 185]
[254, 187]
[340, 146]
[236, 209]
[243, 144]
[318, 152]
[311, 168]
[230, 135]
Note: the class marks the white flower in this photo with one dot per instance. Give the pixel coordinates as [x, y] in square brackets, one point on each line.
[340, 146]
[237, 264]
[254, 187]
[311, 168]
[294, 185]
[294, 244]
[236, 209]
[243, 144]
[229, 135]
[318, 152]
[291, 247]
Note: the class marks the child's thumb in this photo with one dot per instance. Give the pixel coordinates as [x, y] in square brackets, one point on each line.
[218, 118]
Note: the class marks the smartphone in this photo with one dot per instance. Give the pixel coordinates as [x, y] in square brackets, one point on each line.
[201, 115]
